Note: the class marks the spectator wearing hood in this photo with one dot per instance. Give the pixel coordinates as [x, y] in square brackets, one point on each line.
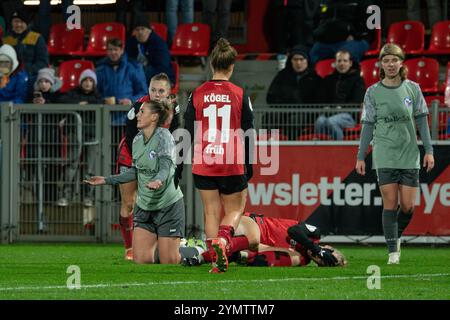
[149, 49]
[30, 46]
[86, 93]
[297, 83]
[13, 78]
[46, 87]
[344, 86]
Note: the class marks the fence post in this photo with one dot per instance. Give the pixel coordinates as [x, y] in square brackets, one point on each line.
[4, 145]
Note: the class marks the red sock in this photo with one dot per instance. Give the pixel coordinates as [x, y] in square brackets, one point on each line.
[238, 243]
[207, 256]
[126, 231]
[131, 228]
[226, 232]
[272, 259]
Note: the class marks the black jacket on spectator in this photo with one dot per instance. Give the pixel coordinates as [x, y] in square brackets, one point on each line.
[49, 96]
[289, 86]
[342, 87]
[77, 95]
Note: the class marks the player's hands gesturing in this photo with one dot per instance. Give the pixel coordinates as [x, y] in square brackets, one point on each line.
[428, 162]
[360, 167]
[95, 180]
[154, 184]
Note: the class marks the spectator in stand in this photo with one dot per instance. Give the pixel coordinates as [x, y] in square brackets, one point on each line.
[346, 86]
[30, 46]
[13, 78]
[434, 11]
[219, 11]
[7, 7]
[342, 26]
[120, 80]
[187, 15]
[149, 50]
[86, 93]
[296, 84]
[46, 87]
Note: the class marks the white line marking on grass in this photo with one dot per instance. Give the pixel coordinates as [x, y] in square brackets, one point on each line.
[148, 284]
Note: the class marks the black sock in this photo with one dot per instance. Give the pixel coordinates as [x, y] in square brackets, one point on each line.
[403, 220]
[390, 228]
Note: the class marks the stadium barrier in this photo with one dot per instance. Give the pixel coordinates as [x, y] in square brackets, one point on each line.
[47, 150]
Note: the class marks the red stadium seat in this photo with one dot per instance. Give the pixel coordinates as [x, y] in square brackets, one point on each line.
[352, 134]
[375, 46]
[440, 38]
[160, 29]
[325, 67]
[370, 71]
[176, 70]
[62, 41]
[100, 33]
[409, 35]
[430, 99]
[447, 74]
[191, 39]
[69, 72]
[424, 71]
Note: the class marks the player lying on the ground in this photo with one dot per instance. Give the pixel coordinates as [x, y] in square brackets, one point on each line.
[266, 241]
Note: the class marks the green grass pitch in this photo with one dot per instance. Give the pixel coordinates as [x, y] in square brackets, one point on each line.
[39, 271]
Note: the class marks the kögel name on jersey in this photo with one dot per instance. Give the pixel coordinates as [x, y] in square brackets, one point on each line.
[216, 98]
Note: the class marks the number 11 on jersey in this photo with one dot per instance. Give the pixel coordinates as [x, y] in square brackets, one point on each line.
[212, 113]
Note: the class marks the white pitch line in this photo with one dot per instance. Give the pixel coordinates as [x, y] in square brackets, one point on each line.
[148, 284]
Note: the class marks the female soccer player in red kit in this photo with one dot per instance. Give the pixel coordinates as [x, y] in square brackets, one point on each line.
[221, 163]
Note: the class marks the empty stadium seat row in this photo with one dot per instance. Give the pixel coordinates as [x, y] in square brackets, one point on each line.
[410, 35]
[190, 39]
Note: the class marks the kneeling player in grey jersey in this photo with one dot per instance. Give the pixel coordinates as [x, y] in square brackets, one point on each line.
[159, 218]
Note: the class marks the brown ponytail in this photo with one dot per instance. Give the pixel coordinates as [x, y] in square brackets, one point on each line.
[162, 108]
[223, 55]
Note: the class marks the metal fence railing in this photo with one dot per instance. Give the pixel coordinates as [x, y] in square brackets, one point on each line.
[315, 122]
[47, 150]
